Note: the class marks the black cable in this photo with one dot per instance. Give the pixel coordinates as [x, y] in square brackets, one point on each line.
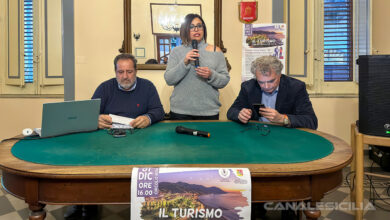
[375, 193]
[388, 190]
[371, 185]
[263, 129]
[119, 132]
[37, 137]
[351, 187]
[21, 138]
[381, 207]
[10, 139]
[371, 166]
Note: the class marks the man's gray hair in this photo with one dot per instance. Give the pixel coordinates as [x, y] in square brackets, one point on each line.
[125, 56]
[264, 65]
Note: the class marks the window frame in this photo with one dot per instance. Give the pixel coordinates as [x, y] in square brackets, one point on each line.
[41, 86]
[27, 78]
[336, 88]
[333, 59]
[314, 34]
[162, 37]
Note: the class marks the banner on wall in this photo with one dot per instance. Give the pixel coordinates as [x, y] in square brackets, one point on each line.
[190, 193]
[262, 40]
[247, 12]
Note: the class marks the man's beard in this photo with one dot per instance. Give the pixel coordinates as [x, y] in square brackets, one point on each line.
[126, 86]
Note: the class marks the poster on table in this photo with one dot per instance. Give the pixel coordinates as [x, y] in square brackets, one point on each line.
[190, 193]
[262, 40]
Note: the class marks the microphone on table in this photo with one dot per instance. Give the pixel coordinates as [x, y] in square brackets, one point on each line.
[183, 130]
[195, 46]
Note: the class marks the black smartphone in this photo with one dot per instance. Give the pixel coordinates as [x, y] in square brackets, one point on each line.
[256, 108]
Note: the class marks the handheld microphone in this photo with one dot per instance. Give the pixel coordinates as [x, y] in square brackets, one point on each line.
[195, 46]
[183, 130]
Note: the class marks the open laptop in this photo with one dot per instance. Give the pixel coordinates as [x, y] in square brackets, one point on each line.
[69, 117]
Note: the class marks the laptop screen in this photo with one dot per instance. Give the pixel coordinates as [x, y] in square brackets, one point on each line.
[68, 117]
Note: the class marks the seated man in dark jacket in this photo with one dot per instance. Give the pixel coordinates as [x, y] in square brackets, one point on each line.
[286, 99]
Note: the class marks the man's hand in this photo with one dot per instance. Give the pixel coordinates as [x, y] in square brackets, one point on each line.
[244, 115]
[105, 121]
[140, 122]
[272, 115]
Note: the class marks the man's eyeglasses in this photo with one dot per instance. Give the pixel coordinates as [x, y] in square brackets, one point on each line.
[198, 27]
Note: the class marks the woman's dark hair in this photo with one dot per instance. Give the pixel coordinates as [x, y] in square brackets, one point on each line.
[185, 28]
[125, 56]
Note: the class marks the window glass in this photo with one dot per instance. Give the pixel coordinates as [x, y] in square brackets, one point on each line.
[338, 40]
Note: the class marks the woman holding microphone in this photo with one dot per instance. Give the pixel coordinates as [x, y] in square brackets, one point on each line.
[197, 70]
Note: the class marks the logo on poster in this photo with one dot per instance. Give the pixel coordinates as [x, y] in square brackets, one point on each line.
[224, 173]
[240, 172]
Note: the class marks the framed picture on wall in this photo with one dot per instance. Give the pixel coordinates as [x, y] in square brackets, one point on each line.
[139, 52]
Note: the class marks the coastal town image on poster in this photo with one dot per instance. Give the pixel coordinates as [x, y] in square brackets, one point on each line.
[202, 193]
[262, 40]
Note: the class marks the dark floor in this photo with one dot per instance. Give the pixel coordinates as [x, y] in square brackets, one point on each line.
[12, 208]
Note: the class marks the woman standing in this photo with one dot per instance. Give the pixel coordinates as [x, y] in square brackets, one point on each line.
[195, 95]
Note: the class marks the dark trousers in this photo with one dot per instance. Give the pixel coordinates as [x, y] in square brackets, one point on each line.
[176, 116]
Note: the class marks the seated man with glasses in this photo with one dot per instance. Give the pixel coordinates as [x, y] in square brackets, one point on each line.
[285, 99]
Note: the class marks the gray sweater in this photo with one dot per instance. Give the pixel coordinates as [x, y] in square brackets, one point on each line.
[192, 94]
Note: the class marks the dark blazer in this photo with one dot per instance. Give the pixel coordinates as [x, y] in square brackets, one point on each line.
[292, 100]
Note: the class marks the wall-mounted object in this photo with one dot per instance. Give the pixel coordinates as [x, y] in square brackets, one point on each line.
[247, 12]
[136, 36]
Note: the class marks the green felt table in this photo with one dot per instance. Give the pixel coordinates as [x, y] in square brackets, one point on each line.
[95, 168]
[230, 142]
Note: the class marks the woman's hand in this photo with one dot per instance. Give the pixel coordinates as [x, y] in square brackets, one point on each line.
[203, 72]
[191, 55]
